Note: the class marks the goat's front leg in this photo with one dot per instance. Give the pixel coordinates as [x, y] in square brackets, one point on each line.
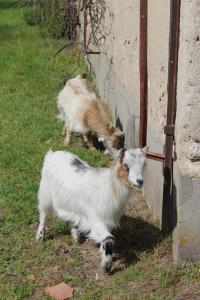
[106, 250]
[100, 234]
[88, 141]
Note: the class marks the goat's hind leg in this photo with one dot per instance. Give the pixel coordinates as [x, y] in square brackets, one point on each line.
[41, 228]
[88, 141]
[75, 234]
[44, 199]
[64, 130]
[67, 134]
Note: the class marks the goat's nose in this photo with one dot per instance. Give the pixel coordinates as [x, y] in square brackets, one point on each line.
[140, 181]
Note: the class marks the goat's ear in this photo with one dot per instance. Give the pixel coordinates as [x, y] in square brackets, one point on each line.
[122, 153]
[145, 149]
[115, 154]
[118, 132]
[84, 75]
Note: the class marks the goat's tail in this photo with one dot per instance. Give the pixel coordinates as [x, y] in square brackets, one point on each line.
[48, 155]
[60, 117]
[47, 159]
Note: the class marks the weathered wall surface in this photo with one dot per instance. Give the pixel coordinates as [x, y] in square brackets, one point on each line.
[186, 237]
[158, 37]
[188, 91]
[187, 135]
[116, 69]
[117, 78]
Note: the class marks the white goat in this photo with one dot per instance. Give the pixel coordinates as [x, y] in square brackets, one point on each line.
[91, 199]
[83, 112]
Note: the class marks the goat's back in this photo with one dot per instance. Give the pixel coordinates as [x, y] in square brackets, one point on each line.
[70, 177]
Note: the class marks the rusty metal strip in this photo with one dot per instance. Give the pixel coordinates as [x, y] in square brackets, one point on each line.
[167, 209]
[155, 156]
[143, 73]
[85, 27]
[93, 52]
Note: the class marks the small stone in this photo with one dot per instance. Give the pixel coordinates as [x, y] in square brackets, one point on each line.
[96, 277]
[63, 248]
[61, 291]
[48, 141]
[31, 277]
[33, 226]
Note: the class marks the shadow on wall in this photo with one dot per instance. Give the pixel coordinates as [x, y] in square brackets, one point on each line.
[129, 131]
[169, 204]
[119, 123]
[174, 207]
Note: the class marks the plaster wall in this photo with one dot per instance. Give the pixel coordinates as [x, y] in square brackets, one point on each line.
[188, 90]
[187, 135]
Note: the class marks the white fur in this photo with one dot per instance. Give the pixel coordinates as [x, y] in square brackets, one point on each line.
[70, 104]
[73, 103]
[91, 199]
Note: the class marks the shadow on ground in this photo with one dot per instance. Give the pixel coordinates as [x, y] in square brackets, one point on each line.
[6, 4]
[135, 236]
[6, 33]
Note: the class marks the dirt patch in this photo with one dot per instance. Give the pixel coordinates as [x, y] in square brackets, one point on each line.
[190, 292]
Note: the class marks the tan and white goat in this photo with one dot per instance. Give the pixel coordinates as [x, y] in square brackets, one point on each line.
[83, 112]
[91, 199]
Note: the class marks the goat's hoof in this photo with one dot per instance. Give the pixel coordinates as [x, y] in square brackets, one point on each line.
[65, 143]
[107, 264]
[107, 267]
[40, 236]
[106, 152]
[78, 237]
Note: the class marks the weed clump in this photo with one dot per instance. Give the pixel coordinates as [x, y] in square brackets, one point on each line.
[55, 18]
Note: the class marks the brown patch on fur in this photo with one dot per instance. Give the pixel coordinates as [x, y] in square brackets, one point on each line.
[122, 175]
[122, 153]
[80, 115]
[97, 118]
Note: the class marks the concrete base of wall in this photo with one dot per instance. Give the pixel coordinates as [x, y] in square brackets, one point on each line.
[186, 236]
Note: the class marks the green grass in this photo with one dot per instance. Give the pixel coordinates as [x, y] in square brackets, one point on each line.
[28, 128]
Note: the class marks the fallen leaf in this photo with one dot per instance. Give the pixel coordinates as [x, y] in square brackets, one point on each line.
[61, 291]
[33, 226]
[30, 277]
[64, 248]
[48, 141]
